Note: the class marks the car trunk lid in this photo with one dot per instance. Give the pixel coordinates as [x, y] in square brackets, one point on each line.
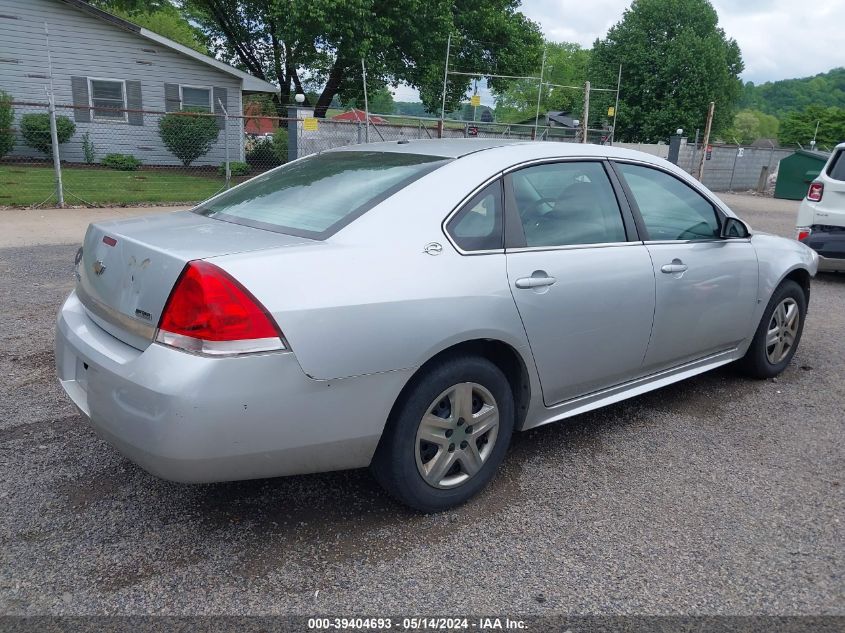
[128, 267]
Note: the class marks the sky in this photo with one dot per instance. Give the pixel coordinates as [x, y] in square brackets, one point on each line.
[779, 39]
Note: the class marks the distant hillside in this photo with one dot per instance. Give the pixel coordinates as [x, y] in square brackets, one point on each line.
[787, 95]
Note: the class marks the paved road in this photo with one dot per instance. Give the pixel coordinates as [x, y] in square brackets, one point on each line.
[717, 495]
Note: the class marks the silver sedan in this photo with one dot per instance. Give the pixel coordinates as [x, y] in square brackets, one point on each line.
[408, 306]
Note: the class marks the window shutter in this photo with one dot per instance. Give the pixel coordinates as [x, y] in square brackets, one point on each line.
[172, 102]
[133, 102]
[218, 95]
[79, 92]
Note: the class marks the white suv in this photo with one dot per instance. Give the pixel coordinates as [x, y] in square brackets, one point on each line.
[821, 216]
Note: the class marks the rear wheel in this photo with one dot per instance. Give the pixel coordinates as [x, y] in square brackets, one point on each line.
[778, 334]
[447, 435]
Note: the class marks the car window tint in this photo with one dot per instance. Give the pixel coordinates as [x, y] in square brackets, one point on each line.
[837, 166]
[567, 203]
[478, 225]
[670, 209]
[318, 195]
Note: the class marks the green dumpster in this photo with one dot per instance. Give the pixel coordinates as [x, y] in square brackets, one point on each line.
[797, 171]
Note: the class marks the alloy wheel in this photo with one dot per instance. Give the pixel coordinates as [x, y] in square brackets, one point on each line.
[456, 435]
[782, 330]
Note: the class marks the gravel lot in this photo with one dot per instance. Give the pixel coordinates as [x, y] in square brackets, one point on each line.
[718, 495]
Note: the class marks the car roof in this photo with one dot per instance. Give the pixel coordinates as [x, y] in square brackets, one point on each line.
[458, 147]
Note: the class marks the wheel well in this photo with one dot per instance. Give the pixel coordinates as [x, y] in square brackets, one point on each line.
[802, 278]
[505, 357]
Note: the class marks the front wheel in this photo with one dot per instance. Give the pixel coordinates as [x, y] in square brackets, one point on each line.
[778, 334]
[447, 435]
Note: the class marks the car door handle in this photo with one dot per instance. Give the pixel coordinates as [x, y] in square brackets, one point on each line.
[677, 266]
[534, 282]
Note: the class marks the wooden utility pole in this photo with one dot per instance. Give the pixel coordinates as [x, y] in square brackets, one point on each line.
[585, 122]
[707, 127]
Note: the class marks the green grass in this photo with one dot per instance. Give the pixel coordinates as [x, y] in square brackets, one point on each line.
[25, 185]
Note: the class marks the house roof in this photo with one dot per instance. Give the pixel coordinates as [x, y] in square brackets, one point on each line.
[360, 116]
[562, 118]
[249, 83]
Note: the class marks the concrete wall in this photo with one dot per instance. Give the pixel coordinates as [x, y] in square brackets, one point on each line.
[727, 170]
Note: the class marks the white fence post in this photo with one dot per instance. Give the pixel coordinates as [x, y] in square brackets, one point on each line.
[226, 141]
[54, 141]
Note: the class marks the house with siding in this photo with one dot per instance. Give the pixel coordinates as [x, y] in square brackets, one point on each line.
[114, 79]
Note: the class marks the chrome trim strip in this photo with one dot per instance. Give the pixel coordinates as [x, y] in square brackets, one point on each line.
[110, 315]
[556, 159]
[709, 240]
[623, 391]
[571, 247]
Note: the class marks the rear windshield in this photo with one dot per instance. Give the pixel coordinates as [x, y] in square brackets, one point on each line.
[317, 196]
[837, 166]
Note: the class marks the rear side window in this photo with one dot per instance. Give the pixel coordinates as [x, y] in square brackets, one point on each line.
[567, 203]
[837, 166]
[478, 225]
[321, 194]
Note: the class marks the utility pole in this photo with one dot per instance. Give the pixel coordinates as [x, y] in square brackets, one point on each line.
[445, 77]
[616, 106]
[707, 127]
[585, 122]
[539, 93]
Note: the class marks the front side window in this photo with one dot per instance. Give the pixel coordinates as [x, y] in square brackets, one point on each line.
[108, 99]
[478, 225]
[671, 210]
[196, 99]
[567, 203]
[318, 195]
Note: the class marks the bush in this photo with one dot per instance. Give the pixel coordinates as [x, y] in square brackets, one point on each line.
[188, 137]
[262, 154]
[280, 144]
[236, 168]
[7, 116]
[89, 152]
[35, 129]
[123, 162]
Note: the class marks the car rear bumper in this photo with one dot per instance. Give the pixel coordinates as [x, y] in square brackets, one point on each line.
[191, 418]
[829, 243]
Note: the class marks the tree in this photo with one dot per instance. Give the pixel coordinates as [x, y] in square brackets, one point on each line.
[157, 16]
[788, 95]
[566, 65]
[7, 117]
[800, 127]
[750, 125]
[380, 101]
[188, 136]
[400, 40]
[675, 61]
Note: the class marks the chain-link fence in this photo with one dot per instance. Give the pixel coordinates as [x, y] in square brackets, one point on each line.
[110, 156]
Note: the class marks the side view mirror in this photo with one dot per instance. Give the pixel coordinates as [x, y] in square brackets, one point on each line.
[733, 228]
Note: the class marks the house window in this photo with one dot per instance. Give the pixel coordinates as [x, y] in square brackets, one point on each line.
[108, 99]
[196, 98]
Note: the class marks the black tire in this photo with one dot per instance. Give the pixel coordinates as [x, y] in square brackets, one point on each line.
[756, 362]
[395, 463]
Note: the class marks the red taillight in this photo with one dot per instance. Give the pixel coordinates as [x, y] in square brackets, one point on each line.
[803, 233]
[209, 312]
[815, 192]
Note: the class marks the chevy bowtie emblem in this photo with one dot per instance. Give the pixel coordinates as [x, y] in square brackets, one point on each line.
[99, 269]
